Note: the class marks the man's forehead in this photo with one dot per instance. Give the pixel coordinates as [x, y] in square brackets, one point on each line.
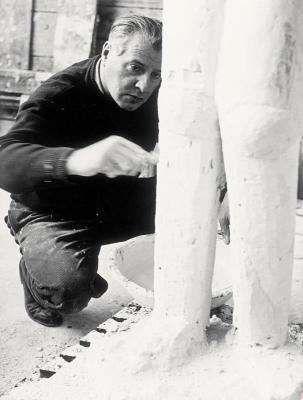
[148, 56]
[137, 46]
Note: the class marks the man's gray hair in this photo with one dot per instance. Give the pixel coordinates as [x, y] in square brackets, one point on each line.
[150, 28]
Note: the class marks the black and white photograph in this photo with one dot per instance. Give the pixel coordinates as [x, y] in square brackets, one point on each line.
[151, 200]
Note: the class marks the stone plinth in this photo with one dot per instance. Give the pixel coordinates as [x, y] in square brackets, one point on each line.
[109, 370]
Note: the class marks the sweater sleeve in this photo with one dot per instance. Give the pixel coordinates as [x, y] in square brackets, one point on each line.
[30, 153]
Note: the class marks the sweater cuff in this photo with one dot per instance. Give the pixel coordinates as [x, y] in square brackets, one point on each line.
[54, 167]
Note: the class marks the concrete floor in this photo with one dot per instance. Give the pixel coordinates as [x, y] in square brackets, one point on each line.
[25, 345]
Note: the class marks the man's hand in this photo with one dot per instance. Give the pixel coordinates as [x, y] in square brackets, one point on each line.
[150, 170]
[224, 219]
[112, 157]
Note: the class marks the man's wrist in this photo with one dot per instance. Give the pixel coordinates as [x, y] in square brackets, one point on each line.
[72, 165]
[78, 163]
[54, 166]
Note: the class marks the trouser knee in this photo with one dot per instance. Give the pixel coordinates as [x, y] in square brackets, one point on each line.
[65, 297]
[59, 258]
[62, 298]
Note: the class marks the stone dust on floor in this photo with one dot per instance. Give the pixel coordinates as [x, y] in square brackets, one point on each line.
[108, 369]
[26, 346]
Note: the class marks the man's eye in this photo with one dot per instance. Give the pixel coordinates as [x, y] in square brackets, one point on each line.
[156, 75]
[134, 68]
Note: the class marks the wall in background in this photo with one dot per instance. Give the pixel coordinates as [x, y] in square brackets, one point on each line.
[39, 37]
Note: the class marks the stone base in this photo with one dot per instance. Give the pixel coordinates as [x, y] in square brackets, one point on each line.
[226, 374]
[108, 370]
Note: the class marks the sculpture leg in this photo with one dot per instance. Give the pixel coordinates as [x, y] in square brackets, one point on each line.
[188, 176]
[257, 109]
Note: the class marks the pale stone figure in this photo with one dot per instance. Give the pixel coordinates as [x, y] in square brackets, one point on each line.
[257, 89]
[259, 112]
[188, 175]
[254, 64]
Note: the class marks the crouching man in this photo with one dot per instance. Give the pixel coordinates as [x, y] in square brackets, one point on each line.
[73, 162]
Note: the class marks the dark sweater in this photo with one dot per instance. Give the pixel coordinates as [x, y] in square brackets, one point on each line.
[68, 112]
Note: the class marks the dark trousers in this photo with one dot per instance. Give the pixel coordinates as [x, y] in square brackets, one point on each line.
[59, 259]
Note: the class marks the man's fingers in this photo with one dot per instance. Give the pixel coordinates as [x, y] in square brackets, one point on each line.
[126, 164]
[112, 156]
[131, 146]
[151, 158]
[131, 162]
[122, 165]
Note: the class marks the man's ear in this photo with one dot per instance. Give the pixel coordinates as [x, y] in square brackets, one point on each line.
[105, 50]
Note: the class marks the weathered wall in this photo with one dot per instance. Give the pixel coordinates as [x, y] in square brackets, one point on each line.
[74, 30]
[45, 35]
[109, 10]
[15, 32]
[39, 35]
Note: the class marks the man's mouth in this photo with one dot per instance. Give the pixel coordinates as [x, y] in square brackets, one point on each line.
[134, 98]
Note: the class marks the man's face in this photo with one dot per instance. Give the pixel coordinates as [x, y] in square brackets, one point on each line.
[130, 71]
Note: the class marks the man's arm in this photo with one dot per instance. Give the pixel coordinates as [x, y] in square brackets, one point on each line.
[25, 160]
[112, 157]
[29, 155]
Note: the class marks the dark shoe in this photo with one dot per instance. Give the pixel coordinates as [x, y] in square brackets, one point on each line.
[43, 316]
[100, 286]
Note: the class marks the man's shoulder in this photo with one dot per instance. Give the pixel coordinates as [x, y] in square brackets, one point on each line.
[76, 80]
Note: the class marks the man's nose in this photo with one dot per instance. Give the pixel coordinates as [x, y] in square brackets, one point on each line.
[143, 83]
